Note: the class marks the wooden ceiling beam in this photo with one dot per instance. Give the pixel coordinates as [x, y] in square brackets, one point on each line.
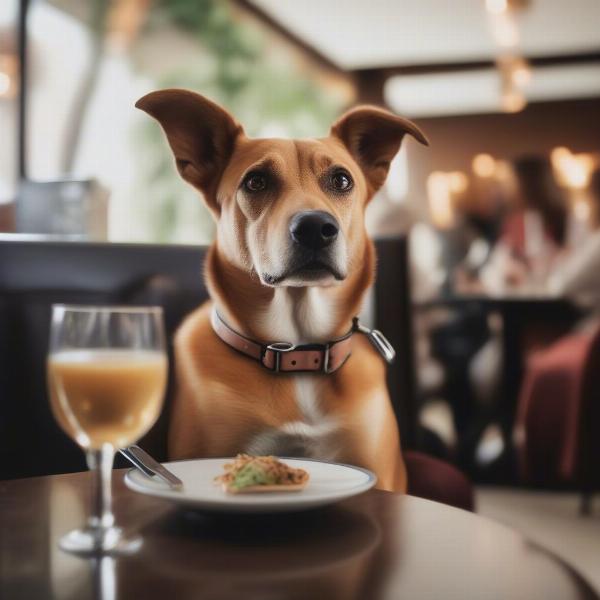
[450, 67]
[370, 82]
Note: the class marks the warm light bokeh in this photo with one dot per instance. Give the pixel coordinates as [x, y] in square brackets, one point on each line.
[521, 72]
[483, 165]
[457, 181]
[8, 76]
[572, 170]
[513, 101]
[441, 207]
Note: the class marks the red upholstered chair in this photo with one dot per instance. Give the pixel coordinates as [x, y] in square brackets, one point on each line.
[437, 480]
[557, 433]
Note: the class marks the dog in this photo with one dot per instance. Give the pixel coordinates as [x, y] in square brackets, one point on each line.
[273, 364]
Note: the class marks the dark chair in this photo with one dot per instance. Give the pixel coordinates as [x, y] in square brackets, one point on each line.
[34, 275]
[558, 425]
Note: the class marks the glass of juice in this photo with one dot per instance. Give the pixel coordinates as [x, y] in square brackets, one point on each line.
[107, 374]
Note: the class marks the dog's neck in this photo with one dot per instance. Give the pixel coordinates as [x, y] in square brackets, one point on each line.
[292, 314]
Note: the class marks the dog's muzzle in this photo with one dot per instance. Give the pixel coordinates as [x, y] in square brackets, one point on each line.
[314, 229]
[313, 249]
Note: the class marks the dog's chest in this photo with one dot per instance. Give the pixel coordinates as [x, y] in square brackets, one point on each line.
[314, 435]
[300, 317]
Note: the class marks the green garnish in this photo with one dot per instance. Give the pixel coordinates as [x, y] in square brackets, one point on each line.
[252, 474]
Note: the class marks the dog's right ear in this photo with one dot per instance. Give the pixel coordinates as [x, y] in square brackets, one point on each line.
[201, 134]
[373, 136]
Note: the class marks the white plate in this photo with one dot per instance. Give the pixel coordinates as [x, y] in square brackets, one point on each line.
[328, 483]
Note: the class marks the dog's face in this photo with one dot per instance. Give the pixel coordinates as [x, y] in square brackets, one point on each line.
[292, 211]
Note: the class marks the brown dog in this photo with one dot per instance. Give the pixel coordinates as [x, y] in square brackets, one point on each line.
[291, 263]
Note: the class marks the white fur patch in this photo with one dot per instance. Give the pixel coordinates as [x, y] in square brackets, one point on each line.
[300, 316]
[300, 439]
[306, 399]
[315, 436]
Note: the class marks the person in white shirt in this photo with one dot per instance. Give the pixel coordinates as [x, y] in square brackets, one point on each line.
[578, 274]
[532, 233]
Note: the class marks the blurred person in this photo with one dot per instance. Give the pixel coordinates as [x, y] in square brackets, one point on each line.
[577, 275]
[481, 211]
[533, 232]
[455, 335]
[514, 246]
[537, 192]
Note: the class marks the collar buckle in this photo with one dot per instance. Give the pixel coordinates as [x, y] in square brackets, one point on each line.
[278, 348]
[325, 365]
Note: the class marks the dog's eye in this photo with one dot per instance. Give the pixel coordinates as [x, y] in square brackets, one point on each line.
[341, 181]
[255, 182]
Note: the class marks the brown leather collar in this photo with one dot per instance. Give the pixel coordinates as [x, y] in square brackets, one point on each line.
[281, 357]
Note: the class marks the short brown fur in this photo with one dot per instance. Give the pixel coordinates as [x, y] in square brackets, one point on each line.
[224, 399]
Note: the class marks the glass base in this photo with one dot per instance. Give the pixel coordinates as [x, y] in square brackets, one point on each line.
[99, 541]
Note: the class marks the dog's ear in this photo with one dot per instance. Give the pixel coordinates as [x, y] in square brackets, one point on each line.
[373, 137]
[201, 134]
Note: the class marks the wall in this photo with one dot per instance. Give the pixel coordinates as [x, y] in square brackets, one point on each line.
[536, 130]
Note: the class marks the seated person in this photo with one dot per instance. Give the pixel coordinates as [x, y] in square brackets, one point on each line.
[577, 275]
[532, 234]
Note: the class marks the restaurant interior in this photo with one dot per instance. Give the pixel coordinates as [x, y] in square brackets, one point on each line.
[487, 286]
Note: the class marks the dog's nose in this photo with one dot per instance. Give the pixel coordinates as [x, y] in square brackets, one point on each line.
[314, 229]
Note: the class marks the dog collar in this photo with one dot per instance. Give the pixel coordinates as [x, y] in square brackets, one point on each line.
[282, 357]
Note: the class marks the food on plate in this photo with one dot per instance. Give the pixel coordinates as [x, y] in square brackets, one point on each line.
[261, 474]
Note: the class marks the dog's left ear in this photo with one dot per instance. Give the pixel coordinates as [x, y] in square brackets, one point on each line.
[373, 137]
[201, 134]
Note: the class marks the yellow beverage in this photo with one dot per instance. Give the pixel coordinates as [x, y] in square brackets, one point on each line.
[106, 396]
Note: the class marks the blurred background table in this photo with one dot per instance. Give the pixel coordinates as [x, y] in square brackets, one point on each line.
[527, 320]
[378, 545]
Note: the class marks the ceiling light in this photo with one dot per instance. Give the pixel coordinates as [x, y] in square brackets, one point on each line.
[514, 70]
[483, 165]
[521, 73]
[572, 170]
[513, 101]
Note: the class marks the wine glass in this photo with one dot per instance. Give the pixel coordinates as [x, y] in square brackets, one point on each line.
[107, 374]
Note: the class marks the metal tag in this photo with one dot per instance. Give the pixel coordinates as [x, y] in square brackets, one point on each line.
[382, 345]
[379, 341]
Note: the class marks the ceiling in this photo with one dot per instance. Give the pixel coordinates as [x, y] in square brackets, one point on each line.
[478, 91]
[359, 34]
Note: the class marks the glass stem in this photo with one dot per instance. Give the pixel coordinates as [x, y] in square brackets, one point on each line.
[100, 462]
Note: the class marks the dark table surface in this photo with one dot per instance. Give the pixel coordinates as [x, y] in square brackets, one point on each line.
[515, 299]
[378, 545]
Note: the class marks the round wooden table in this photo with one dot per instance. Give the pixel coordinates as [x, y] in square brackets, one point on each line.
[378, 545]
